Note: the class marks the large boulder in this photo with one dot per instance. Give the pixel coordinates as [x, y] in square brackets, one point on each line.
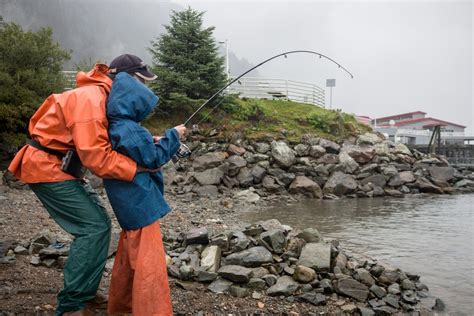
[407, 177]
[209, 176]
[252, 257]
[209, 160]
[348, 163]
[283, 155]
[235, 273]
[352, 288]
[442, 173]
[426, 186]
[285, 285]
[245, 177]
[305, 186]
[316, 256]
[330, 146]
[340, 183]
[362, 154]
[376, 179]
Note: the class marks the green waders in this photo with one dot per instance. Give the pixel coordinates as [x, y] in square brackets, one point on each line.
[77, 208]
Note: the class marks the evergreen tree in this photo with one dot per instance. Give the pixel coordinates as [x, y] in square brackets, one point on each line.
[30, 70]
[187, 63]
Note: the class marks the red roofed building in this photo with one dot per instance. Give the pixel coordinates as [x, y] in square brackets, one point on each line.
[416, 128]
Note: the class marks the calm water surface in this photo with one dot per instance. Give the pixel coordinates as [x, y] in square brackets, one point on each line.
[428, 235]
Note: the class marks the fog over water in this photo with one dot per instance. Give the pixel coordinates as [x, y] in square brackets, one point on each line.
[405, 55]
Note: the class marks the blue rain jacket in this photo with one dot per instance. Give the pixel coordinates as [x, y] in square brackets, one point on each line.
[141, 202]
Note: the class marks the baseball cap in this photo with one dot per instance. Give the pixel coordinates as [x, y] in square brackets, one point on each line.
[131, 64]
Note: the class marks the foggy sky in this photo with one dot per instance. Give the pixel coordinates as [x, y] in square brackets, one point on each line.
[405, 56]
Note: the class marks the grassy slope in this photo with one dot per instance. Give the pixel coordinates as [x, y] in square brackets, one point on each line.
[258, 118]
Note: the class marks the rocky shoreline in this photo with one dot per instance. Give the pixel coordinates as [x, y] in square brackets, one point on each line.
[266, 267]
[363, 167]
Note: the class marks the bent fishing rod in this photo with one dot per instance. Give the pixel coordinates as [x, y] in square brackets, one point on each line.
[255, 67]
[184, 150]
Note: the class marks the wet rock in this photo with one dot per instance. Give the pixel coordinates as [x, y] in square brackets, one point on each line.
[330, 146]
[409, 297]
[219, 286]
[235, 150]
[209, 160]
[368, 139]
[407, 285]
[348, 163]
[210, 258]
[393, 192]
[270, 184]
[197, 236]
[329, 159]
[245, 177]
[361, 154]
[304, 274]
[316, 256]
[283, 155]
[302, 150]
[310, 235]
[20, 250]
[378, 291]
[258, 173]
[238, 241]
[306, 186]
[376, 179]
[407, 177]
[364, 311]
[312, 298]
[206, 191]
[274, 240]
[270, 279]
[252, 257]
[205, 276]
[285, 285]
[425, 186]
[316, 151]
[237, 291]
[261, 147]
[352, 288]
[340, 183]
[391, 300]
[209, 176]
[364, 277]
[248, 196]
[439, 305]
[394, 289]
[256, 283]
[442, 173]
[235, 273]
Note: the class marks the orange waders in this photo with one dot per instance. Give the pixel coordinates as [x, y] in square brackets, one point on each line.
[139, 282]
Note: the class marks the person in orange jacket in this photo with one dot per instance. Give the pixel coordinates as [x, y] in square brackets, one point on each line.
[76, 121]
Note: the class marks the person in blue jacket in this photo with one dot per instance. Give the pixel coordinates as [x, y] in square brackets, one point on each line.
[139, 283]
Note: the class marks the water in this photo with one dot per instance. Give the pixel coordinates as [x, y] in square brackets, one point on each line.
[427, 235]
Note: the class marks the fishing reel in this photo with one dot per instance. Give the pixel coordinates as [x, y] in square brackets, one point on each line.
[183, 152]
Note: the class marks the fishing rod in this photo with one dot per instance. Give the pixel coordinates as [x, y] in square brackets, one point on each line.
[184, 150]
[263, 62]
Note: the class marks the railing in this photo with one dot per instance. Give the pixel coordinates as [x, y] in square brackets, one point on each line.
[260, 88]
[264, 88]
[416, 132]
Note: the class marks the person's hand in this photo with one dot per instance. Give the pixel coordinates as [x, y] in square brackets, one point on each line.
[181, 129]
[156, 139]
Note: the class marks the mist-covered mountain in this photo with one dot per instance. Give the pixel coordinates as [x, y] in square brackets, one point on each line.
[99, 30]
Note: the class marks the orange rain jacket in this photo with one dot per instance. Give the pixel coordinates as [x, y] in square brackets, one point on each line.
[75, 119]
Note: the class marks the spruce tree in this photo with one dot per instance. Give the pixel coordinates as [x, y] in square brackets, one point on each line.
[187, 63]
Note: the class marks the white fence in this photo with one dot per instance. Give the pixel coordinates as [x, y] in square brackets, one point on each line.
[265, 88]
[261, 88]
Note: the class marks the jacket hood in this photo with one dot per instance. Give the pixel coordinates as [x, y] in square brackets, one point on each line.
[96, 76]
[130, 99]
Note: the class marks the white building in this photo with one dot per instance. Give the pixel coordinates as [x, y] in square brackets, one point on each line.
[414, 128]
